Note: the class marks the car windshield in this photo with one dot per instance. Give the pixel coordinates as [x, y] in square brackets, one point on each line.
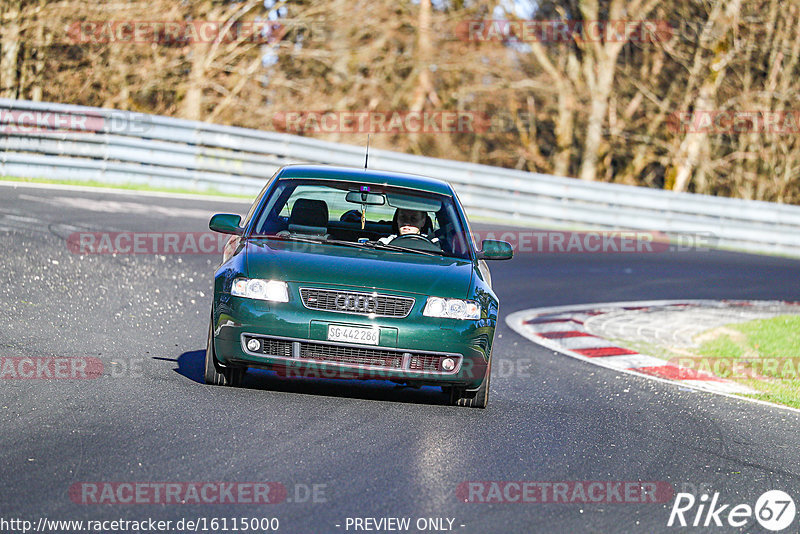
[368, 215]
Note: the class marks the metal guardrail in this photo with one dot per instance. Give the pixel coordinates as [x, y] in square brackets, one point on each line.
[66, 142]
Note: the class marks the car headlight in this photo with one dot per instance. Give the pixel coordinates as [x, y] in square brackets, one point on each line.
[272, 290]
[452, 308]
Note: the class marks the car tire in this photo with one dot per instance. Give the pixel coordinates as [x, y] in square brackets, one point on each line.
[217, 375]
[474, 399]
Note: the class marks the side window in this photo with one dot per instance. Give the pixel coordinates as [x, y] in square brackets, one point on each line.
[258, 200]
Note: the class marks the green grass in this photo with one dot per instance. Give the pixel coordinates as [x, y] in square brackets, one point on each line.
[722, 347]
[127, 186]
[766, 353]
[768, 350]
[775, 337]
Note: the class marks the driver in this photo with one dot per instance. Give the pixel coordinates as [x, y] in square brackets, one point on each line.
[409, 222]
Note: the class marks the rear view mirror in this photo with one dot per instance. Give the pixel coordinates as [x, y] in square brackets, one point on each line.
[413, 202]
[362, 197]
[495, 250]
[226, 223]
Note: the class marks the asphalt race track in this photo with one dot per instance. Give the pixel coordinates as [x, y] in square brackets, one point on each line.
[372, 449]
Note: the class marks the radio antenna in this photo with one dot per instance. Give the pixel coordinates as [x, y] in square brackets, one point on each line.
[366, 156]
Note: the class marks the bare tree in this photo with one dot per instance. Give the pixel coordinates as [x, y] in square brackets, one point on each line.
[597, 109]
[718, 36]
[11, 12]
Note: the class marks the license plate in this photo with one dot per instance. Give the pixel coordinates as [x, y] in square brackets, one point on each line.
[353, 334]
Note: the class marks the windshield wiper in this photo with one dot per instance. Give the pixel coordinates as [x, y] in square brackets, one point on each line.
[368, 244]
[343, 243]
[311, 240]
[287, 238]
[386, 246]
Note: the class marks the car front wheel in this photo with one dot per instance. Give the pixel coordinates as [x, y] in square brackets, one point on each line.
[473, 399]
[217, 375]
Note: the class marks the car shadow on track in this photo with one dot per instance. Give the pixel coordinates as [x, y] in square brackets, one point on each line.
[191, 365]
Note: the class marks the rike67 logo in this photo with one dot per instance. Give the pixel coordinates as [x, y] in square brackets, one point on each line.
[774, 510]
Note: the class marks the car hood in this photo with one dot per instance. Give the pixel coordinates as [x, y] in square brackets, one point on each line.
[355, 267]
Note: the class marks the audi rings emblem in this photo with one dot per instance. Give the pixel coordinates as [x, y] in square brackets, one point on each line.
[357, 303]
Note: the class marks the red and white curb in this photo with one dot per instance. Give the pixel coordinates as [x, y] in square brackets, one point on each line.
[562, 329]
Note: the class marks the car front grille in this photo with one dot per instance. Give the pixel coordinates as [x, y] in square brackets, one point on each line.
[356, 302]
[276, 347]
[352, 355]
[425, 362]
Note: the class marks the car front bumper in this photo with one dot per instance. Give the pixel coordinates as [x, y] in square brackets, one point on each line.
[294, 342]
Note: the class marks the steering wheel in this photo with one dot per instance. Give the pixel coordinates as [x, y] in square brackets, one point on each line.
[415, 241]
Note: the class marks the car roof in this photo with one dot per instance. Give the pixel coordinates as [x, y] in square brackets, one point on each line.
[369, 176]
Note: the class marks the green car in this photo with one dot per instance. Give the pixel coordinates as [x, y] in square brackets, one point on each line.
[357, 274]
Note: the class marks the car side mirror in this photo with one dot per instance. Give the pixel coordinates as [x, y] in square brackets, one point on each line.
[495, 250]
[226, 223]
